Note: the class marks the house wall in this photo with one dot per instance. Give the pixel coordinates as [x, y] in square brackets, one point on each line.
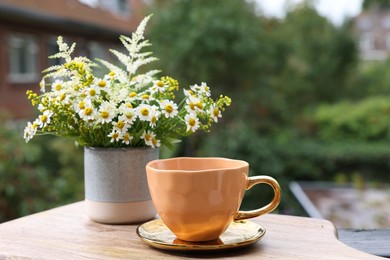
[76, 22]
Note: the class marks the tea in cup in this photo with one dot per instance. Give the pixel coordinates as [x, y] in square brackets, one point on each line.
[198, 198]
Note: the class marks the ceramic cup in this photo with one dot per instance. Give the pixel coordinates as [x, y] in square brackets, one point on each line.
[198, 198]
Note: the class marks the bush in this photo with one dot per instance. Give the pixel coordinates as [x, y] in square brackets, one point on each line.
[37, 176]
[295, 159]
[368, 119]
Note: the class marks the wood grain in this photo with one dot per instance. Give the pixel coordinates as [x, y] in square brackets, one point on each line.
[67, 233]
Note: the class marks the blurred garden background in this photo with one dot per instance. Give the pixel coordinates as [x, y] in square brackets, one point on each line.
[306, 105]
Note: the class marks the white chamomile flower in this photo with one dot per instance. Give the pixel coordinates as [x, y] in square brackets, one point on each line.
[41, 108]
[57, 86]
[63, 98]
[195, 88]
[204, 89]
[126, 138]
[102, 83]
[154, 118]
[192, 122]
[87, 111]
[155, 142]
[44, 119]
[92, 92]
[128, 113]
[106, 112]
[158, 86]
[121, 124]
[114, 135]
[188, 93]
[145, 112]
[148, 136]
[215, 113]
[81, 105]
[169, 108]
[192, 104]
[30, 131]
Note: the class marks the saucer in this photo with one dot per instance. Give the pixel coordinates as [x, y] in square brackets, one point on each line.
[240, 233]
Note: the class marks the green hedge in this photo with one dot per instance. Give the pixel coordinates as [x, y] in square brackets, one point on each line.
[305, 159]
[368, 119]
[45, 173]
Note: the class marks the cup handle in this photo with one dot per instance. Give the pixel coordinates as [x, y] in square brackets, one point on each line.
[252, 181]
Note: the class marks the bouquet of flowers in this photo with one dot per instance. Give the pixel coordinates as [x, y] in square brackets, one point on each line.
[122, 108]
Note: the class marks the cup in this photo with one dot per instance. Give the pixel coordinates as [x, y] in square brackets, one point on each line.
[198, 198]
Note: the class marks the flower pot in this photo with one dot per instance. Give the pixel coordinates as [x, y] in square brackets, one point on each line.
[116, 189]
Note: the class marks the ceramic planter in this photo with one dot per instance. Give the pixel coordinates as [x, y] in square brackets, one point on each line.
[116, 188]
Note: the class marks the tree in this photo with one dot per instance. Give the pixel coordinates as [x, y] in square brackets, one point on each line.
[381, 4]
[221, 42]
[318, 60]
[273, 69]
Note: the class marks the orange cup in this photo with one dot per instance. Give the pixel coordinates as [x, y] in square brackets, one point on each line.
[198, 198]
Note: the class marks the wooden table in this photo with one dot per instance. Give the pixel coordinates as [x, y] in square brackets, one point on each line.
[67, 233]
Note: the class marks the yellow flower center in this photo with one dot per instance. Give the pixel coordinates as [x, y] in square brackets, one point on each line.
[82, 105]
[62, 97]
[145, 96]
[129, 105]
[92, 92]
[132, 94]
[199, 105]
[169, 108]
[102, 83]
[191, 122]
[88, 111]
[104, 114]
[144, 111]
[147, 137]
[154, 141]
[120, 124]
[115, 136]
[129, 115]
[58, 87]
[216, 112]
[154, 120]
[160, 84]
[126, 137]
[192, 105]
[43, 118]
[111, 74]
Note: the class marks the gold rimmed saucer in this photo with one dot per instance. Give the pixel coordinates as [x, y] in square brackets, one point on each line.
[240, 233]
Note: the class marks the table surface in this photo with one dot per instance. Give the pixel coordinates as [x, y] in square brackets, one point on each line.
[67, 233]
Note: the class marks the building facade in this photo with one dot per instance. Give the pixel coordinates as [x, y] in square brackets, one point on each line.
[29, 31]
[373, 30]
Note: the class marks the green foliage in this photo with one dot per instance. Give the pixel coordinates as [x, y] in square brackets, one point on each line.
[365, 120]
[370, 79]
[381, 4]
[218, 41]
[298, 159]
[318, 59]
[38, 176]
[272, 69]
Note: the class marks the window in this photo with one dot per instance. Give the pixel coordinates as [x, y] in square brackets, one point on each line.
[386, 22]
[98, 51]
[120, 7]
[23, 58]
[366, 42]
[364, 23]
[387, 42]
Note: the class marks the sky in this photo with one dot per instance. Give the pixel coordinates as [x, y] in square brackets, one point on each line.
[334, 10]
